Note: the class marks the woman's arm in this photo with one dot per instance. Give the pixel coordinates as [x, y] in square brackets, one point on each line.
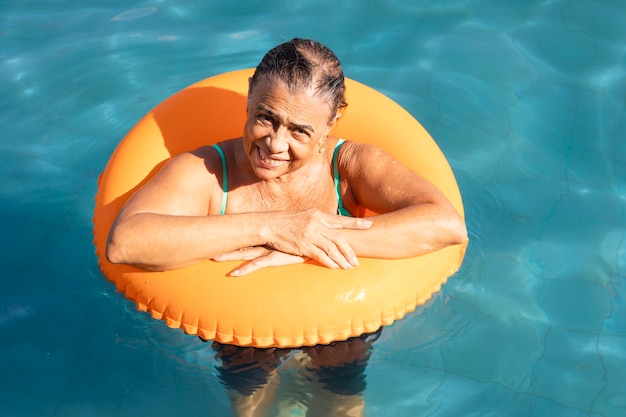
[415, 218]
[165, 224]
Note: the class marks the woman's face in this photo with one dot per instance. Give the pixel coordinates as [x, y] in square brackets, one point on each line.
[283, 130]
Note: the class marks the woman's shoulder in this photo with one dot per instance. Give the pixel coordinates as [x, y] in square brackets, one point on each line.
[196, 163]
[204, 156]
[356, 155]
[210, 151]
[350, 146]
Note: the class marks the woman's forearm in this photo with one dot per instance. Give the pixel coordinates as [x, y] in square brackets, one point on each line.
[159, 242]
[408, 232]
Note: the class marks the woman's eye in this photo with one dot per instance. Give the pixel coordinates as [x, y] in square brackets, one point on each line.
[265, 119]
[301, 134]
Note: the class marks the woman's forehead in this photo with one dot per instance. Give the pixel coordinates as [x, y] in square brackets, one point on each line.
[280, 97]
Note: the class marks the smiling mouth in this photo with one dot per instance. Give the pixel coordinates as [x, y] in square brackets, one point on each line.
[268, 160]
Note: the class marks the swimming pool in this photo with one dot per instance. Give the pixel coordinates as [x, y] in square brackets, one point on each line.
[526, 99]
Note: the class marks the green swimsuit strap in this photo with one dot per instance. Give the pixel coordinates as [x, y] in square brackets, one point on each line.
[224, 178]
[341, 210]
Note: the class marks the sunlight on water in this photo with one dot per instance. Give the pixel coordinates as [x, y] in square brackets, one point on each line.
[525, 98]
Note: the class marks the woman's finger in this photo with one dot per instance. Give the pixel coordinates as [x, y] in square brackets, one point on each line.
[336, 254]
[243, 254]
[346, 251]
[270, 259]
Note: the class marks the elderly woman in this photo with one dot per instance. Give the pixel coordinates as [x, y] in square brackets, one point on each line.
[284, 192]
[277, 203]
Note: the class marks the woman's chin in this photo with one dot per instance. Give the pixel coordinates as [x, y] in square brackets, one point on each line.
[264, 173]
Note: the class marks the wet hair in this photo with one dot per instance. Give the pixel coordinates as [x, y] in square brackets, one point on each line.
[303, 64]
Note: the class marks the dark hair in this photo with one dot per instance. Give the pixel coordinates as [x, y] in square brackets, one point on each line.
[301, 64]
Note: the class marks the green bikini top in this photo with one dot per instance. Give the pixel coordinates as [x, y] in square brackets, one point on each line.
[341, 210]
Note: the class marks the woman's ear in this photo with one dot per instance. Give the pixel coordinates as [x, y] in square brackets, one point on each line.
[331, 125]
[321, 144]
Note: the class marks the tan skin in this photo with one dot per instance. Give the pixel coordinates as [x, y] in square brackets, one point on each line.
[281, 203]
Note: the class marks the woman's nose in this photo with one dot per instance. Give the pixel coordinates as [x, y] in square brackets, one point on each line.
[278, 140]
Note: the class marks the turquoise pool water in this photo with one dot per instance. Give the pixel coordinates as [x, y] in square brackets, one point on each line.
[527, 100]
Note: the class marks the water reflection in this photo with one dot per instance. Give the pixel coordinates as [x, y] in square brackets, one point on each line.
[322, 380]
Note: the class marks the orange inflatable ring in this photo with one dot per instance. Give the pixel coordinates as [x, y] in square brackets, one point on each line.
[290, 306]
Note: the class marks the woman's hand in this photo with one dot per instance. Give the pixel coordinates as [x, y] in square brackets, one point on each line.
[258, 257]
[316, 235]
[296, 236]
